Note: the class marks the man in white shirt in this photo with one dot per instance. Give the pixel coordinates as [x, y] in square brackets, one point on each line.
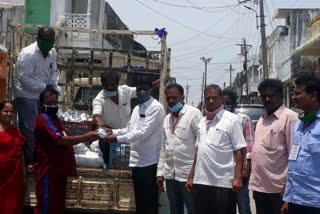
[143, 133]
[180, 129]
[216, 173]
[230, 103]
[36, 68]
[112, 106]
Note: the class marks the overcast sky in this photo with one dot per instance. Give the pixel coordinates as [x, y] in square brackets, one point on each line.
[196, 28]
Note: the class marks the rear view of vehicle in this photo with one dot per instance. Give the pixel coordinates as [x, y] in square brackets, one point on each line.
[254, 111]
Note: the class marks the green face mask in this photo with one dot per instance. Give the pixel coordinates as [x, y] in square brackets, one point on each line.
[45, 46]
[308, 118]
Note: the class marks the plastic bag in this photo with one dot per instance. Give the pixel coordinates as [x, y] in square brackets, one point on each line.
[89, 159]
[95, 146]
[80, 148]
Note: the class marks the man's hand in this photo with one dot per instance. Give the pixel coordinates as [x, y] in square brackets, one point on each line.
[109, 131]
[156, 84]
[237, 185]
[100, 124]
[110, 139]
[283, 190]
[284, 209]
[91, 136]
[160, 184]
[189, 184]
[247, 172]
[98, 121]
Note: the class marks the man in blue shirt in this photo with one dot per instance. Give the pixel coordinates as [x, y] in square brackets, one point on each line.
[302, 193]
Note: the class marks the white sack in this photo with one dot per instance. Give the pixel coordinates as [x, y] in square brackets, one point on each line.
[89, 159]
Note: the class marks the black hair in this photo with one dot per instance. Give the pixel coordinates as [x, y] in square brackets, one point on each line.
[176, 86]
[214, 87]
[311, 82]
[232, 94]
[2, 104]
[49, 89]
[271, 83]
[110, 76]
[45, 30]
[144, 80]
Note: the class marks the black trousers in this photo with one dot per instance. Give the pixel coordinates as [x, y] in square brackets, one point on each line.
[267, 203]
[213, 200]
[105, 149]
[145, 189]
[299, 209]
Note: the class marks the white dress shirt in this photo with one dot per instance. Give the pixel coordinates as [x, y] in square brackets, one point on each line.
[115, 116]
[178, 145]
[216, 150]
[143, 133]
[34, 72]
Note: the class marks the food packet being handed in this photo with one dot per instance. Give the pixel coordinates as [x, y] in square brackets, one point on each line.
[102, 132]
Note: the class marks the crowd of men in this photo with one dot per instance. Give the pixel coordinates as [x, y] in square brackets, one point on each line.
[207, 162]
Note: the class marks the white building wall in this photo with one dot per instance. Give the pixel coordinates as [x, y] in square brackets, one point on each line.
[13, 14]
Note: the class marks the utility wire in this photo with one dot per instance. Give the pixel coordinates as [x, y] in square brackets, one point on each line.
[196, 36]
[198, 6]
[283, 55]
[195, 7]
[295, 3]
[202, 49]
[180, 23]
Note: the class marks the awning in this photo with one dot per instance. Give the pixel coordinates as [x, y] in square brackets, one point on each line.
[310, 48]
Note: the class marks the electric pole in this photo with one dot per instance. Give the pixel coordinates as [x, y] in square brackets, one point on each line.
[187, 92]
[230, 70]
[206, 61]
[244, 52]
[245, 66]
[263, 42]
[263, 37]
[202, 93]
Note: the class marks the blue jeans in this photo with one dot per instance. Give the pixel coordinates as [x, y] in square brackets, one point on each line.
[178, 196]
[243, 200]
[28, 111]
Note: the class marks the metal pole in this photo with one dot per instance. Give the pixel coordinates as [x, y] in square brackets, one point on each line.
[263, 42]
[206, 61]
[246, 66]
[202, 93]
[230, 74]
[187, 92]
[205, 73]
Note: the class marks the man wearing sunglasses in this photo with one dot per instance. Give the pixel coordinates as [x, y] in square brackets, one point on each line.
[36, 68]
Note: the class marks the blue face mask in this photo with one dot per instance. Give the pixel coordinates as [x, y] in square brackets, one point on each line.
[143, 96]
[109, 93]
[177, 107]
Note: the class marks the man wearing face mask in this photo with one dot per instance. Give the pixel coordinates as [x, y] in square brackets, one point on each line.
[302, 192]
[143, 133]
[180, 130]
[54, 156]
[216, 174]
[112, 106]
[230, 103]
[36, 68]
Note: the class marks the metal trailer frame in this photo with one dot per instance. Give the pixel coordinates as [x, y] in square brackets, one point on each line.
[19, 39]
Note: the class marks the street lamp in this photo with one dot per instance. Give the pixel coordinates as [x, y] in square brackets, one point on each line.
[249, 8]
[206, 61]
